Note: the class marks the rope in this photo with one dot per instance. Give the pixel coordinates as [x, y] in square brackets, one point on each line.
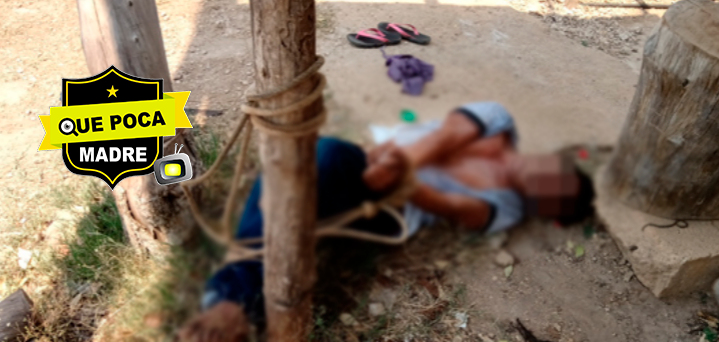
[679, 223]
[221, 233]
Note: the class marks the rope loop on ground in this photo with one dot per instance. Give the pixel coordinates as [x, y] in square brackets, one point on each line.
[221, 233]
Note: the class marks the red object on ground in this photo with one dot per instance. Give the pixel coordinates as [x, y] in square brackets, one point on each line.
[583, 154]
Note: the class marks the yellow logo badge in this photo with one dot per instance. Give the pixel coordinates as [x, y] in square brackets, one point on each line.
[112, 125]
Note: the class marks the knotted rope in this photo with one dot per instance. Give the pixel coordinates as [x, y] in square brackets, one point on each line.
[221, 233]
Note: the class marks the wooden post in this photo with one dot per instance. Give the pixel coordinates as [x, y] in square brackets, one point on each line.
[15, 314]
[283, 33]
[667, 159]
[127, 33]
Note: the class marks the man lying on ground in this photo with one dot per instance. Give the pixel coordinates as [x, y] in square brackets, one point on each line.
[469, 173]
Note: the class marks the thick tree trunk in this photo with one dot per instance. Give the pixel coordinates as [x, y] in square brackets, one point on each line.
[126, 33]
[667, 159]
[284, 46]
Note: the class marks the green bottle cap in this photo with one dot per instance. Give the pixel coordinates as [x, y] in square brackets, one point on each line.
[408, 115]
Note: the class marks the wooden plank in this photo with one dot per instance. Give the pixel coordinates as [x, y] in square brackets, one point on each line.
[284, 46]
[15, 313]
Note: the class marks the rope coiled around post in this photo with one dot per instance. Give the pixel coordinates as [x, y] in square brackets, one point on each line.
[239, 250]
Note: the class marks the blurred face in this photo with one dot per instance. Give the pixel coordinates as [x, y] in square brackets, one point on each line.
[550, 185]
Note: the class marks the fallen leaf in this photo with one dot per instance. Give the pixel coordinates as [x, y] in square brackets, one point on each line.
[570, 245]
[430, 286]
[461, 318]
[709, 319]
[508, 271]
[578, 251]
[74, 302]
[24, 257]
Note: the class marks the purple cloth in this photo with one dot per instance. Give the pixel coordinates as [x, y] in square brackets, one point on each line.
[412, 72]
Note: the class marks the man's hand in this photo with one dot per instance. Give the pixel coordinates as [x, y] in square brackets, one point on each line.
[387, 164]
[224, 322]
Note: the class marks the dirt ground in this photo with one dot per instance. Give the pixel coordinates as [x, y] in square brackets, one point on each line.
[567, 74]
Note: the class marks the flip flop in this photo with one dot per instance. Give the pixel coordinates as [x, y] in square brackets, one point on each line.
[373, 38]
[410, 34]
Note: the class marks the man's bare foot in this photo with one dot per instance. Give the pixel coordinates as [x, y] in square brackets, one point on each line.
[226, 321]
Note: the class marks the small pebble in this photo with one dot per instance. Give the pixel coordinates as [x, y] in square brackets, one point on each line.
[441, 264]
[504, 259]
[376, 309]
[347, 319]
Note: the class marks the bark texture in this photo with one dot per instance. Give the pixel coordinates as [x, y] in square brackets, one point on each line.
[126, 33]
[15, 314]
[667, 159]
[283, 33]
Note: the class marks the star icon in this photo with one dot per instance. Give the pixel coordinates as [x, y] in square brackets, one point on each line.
[112, 91]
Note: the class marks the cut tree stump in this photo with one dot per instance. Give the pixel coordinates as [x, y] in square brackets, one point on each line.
[127, 34]
[283, 33]
[667, 160]
[15, 314]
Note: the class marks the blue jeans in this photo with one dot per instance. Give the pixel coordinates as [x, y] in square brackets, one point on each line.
[340, 187]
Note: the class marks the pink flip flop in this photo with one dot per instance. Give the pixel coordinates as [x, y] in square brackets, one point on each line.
[373, 38]
[406, 31]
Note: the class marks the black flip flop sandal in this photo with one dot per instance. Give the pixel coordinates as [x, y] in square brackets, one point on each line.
[410, 34]
[373, 38]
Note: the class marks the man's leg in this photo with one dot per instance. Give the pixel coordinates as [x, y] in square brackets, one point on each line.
[340, 187]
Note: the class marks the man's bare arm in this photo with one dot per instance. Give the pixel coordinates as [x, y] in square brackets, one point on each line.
[456, 132]
[470, 212]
